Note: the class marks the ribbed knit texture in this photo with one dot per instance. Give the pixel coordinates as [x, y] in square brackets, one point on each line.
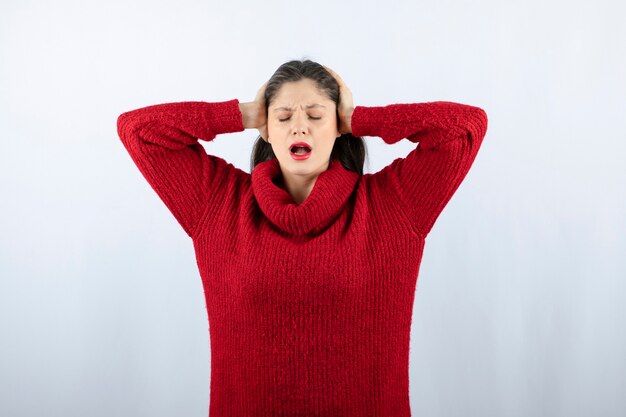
[309, 305]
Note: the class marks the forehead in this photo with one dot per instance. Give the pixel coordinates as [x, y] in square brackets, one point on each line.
[300, 93]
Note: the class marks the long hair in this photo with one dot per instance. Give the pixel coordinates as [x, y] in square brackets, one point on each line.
[348, 149]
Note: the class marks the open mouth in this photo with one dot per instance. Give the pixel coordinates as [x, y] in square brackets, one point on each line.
[300, 150]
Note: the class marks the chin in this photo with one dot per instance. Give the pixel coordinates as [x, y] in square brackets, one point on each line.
[305, 167]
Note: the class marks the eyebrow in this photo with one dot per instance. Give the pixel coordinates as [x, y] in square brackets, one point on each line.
[308, 107]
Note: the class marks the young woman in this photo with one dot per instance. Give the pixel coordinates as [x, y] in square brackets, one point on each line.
[309, 266]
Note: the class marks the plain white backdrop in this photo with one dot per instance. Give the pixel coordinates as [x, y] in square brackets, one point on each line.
[520, 304]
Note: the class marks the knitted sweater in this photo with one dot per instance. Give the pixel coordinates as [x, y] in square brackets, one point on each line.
[309, 305]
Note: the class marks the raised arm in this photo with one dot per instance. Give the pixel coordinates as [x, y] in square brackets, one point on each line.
[162, 140]
[449, 135]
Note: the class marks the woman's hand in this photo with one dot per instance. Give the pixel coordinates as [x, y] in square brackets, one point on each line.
[261, 115]
[345, 106]
[253, 113]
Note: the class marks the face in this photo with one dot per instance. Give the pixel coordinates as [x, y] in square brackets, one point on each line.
[300, 112]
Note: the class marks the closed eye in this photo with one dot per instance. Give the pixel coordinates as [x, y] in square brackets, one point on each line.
[310, 117]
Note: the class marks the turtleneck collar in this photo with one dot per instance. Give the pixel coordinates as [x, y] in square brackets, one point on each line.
[330, 192]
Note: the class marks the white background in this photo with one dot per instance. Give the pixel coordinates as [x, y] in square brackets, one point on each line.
[520, 304]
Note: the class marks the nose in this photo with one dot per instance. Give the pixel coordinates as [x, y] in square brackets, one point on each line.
[299, 126]
[299, 130]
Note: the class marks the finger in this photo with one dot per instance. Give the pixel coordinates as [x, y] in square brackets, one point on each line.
[342, 85]
[335, 75]
[261, 91]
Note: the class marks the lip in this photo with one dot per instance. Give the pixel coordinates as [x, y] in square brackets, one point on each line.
[300, 144]
[300, 157]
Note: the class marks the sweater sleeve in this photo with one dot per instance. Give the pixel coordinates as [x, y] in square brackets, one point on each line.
[162, 141]
[449, 136]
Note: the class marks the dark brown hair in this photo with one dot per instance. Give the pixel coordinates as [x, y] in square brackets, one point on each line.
[349, 150]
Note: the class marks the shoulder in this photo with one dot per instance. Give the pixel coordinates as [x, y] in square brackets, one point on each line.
[228, 186]
[378, 196]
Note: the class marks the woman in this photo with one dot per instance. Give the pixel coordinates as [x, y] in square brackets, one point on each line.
[309, 266]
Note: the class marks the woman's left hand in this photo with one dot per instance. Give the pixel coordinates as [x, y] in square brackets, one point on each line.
[345, 106]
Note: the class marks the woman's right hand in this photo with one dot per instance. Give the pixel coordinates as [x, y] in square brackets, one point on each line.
[253, 113]
[261, 122]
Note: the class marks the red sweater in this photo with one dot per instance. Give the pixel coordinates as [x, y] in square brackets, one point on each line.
[309, 305]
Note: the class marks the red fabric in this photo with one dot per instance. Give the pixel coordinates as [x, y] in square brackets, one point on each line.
[309, 305]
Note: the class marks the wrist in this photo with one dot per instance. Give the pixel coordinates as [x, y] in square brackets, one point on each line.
[249, 114]
[348, 119]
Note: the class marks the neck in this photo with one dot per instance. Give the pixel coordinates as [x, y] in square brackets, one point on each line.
[298, 186]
